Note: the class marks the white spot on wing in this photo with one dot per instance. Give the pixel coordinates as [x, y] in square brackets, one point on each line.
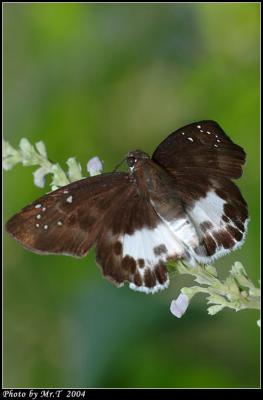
[189, 138]
[199, 126]
[60, 223]
[69, 199]
[38, 206]
[45, 227]
[39, 216]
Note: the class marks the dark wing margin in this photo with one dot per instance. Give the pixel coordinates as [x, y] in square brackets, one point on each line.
[200, 148]
[68, 220]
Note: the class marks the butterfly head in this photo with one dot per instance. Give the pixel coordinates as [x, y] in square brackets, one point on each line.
[134, 157]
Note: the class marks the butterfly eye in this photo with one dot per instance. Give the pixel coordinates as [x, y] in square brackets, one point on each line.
[131, 161]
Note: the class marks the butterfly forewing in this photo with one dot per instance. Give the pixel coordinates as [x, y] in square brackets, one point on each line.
[69, 219]
[200, 148]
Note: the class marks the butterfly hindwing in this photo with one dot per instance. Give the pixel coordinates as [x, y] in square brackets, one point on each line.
[132, 247]
[219, 215]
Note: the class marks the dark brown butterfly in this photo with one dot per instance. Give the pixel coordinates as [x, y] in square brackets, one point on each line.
[181, 203]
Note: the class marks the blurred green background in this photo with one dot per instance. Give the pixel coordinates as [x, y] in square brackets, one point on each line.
[102, 80]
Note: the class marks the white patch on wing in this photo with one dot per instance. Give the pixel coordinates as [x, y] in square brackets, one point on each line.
[141, 244]
[185, 233]
[211, 209]
[182, 230]
[177, 236]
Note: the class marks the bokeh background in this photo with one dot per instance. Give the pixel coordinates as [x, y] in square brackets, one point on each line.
[102, 80]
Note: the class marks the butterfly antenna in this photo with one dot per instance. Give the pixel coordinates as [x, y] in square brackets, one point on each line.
[118, 165]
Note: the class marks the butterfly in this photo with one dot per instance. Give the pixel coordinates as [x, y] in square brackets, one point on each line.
[179, 204]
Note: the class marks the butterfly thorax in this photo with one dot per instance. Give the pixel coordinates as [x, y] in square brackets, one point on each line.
[134, 157]
[150, 178]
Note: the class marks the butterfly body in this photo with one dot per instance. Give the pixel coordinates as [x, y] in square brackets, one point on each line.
[181, 203]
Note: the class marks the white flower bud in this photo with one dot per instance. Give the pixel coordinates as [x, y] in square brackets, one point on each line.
[41, 148]
[94, 166]
[39, 176]
[179, 306]
[74, 169]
